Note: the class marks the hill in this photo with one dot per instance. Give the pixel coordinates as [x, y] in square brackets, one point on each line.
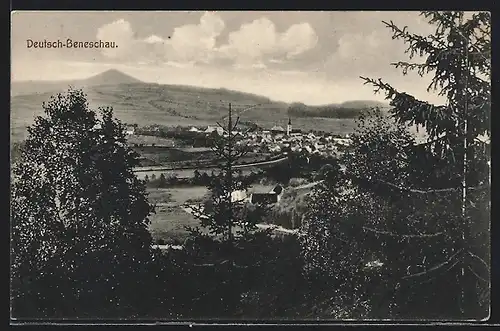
[144, 103]
[109, 77]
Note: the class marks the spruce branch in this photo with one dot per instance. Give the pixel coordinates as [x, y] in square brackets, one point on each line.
[391, 234]
[452, 258]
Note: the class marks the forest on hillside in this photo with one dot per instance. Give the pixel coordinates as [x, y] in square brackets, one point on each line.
[298, 109]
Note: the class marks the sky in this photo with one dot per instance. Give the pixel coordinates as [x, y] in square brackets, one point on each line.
[313, 57]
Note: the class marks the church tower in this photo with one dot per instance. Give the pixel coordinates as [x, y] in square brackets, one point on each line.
[289, 127]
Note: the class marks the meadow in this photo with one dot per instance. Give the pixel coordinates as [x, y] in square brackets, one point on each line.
[169, 221]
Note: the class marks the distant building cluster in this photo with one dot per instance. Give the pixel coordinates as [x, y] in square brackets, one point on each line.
[277, 140]
[280, 140]
[310, 143]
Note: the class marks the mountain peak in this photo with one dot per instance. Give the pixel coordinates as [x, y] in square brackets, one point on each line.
[111, 77]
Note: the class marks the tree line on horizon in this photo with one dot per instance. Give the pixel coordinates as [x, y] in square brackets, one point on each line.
[298, 109]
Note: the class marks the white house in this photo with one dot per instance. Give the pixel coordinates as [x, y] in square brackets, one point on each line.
[238, 196]
[275, 149]
[130, 130]
[218, 129]
[194, 129]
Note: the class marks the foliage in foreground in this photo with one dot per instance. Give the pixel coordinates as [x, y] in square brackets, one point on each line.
[79, 215]
[384, 239]
[402, 203]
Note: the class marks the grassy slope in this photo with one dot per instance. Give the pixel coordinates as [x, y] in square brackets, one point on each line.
[169, 220]
[147, 104]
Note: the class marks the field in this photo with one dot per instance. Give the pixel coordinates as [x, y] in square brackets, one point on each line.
[162, 155]
[170, 219]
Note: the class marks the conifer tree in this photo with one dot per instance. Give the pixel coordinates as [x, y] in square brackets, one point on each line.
[225, 209]
[422, 209]
[457, 56]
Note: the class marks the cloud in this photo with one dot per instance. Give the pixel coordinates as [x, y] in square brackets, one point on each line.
[188, 43]
[252, 40]
[252, 45]
[154, 39]
[249, 66]
[259, 41]
[365, 46]
[121, 32]
[356, 46]
[197, 42]
[298, 39]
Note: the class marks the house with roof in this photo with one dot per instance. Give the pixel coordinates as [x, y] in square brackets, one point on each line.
[268, 198]
[277, 129]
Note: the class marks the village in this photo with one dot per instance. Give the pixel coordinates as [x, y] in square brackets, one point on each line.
[277, 140]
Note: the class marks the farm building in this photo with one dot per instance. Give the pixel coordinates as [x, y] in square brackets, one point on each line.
[264, 198]
[270, 197]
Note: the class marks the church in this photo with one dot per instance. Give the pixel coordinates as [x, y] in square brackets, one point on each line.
[289, 130]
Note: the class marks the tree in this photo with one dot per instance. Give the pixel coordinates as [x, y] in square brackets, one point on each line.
[458, 56]
[298, 109]
[404, 204]
[224, 211]
[196, 176]
[335, 244]
[162, 182]
[80, 239]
